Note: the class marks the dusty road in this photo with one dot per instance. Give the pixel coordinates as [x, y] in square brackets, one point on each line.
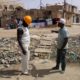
[74, 30]
[41, 70]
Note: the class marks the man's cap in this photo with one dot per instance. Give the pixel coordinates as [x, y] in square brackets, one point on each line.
[27, 19]
[62, 20]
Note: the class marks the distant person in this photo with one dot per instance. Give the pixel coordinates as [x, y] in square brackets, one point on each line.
[62, 45]
[23, 37]
[20, 23]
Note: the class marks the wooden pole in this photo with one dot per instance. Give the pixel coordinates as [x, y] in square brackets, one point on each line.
[64, 8]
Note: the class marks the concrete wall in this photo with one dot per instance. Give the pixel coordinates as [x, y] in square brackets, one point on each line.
[76, 19]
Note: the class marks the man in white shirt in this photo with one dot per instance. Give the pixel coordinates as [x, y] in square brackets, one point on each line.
[23, 38]
[20, 23]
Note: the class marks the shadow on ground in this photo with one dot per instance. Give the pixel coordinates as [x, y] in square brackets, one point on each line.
[34, 72]
[8, 73]
[42, 72]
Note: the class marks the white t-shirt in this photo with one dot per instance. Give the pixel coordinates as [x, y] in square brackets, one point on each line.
[20, 23]
[25, 35]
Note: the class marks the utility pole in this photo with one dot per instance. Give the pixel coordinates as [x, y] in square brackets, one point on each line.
[40, 4]
[64, 8]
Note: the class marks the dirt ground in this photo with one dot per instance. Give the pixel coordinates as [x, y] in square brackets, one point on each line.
[41, 69]
[73, 31]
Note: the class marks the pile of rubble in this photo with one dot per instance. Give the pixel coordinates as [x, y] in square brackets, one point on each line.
[43, 49]
[9, 51]
[43, 46]
[74, 49]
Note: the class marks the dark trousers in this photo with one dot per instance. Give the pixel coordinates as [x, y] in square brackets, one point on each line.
[61, 59]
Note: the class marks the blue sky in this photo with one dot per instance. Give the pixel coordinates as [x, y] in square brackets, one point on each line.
[30, 4]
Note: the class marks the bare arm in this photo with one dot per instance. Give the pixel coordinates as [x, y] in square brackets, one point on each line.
[19, 39]
[53, 31]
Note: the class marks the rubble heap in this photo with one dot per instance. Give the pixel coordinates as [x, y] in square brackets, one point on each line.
[43, 46]
[74, 49]
[9, 51]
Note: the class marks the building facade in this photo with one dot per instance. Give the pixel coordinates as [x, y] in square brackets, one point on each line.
[56, 11]
[10, 8]
[7, 8]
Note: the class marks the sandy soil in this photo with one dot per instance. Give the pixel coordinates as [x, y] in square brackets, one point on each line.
[41, 70]
[74, 30]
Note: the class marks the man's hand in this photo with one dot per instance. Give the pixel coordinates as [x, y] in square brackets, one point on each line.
[24, 52]
[60, 50]
[54, 31]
